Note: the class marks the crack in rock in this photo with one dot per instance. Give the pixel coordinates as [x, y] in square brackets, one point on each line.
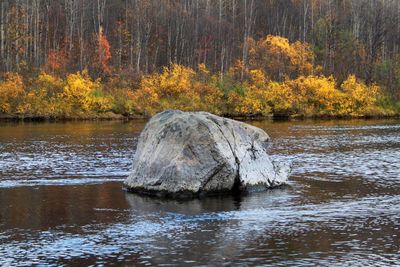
[237, 184]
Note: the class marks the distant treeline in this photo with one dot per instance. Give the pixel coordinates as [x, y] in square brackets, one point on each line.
[120, 45]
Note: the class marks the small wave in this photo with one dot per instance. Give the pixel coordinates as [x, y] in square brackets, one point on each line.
[58, 182]
[345, 128]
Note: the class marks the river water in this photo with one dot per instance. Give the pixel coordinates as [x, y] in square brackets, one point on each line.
[62, 203]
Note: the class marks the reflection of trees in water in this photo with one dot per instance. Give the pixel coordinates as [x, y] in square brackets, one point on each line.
[56, 206]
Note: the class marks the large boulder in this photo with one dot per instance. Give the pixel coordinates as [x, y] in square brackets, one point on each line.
[182, 154]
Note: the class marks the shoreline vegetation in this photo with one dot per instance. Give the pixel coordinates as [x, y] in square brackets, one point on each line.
[279, 81]
[118, 117]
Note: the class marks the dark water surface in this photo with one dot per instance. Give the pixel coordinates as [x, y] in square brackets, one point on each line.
[61, 201]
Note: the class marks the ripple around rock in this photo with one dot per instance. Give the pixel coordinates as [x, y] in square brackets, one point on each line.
[195, 153]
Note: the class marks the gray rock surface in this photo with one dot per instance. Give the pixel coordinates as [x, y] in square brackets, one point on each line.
[183, 154]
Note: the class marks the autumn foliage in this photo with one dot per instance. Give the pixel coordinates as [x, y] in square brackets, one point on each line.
[12, 92]
[56, 60]
[103, 52]
[280, 59]
[279, 79]
[50, 96]
[178, 88]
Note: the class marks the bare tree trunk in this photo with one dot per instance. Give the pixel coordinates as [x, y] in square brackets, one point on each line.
[2, 35]
[18, 36]
[81, 36]
[248, 21]
[138, 42]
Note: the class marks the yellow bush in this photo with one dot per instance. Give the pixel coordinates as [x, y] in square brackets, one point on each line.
[37, 104]
[101, 102]
[360, 99]
[316, 95]
[279, 58]
[11, 93]
[280, 98]
[251, 99]
[175, 82]
[52, 84]
[77, 92]
[177, 88]
[82, 95]
[44, 96]
[123, 101]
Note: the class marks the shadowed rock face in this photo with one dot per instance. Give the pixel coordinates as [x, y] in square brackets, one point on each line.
[183, 154]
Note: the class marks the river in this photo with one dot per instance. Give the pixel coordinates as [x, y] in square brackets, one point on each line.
[62, 203]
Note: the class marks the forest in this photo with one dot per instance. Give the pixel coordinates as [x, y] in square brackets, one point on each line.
[103, 58]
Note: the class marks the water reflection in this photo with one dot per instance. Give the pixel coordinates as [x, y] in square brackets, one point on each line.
[46, 207]
[343, 207]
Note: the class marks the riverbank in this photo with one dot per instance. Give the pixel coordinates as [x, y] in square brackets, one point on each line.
[118, 117]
